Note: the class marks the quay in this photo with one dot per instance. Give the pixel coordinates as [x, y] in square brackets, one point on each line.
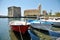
[12, 35]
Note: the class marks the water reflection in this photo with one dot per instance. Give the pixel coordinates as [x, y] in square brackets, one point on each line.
[4, 29]
[12, 19]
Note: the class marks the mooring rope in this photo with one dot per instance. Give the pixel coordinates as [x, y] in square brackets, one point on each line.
[20, 33]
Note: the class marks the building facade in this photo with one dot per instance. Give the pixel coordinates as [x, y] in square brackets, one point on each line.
[14, 11]
[33, 12]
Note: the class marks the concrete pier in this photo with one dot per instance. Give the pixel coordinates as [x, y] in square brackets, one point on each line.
[12, 35]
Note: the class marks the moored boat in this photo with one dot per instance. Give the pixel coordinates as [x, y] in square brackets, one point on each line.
[55, 22]
[19, 26]
[39, 24]
[54, 34]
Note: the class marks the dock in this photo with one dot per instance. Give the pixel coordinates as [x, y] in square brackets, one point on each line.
[12, 35]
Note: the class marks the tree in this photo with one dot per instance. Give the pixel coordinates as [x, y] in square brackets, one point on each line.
[57, 14]
[50, 13]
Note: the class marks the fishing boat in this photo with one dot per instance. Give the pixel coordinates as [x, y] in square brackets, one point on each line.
[19, 26]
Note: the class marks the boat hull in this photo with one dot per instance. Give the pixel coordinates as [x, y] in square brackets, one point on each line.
[56, 23]
[41, 26]
[54, 33]
[19, 28]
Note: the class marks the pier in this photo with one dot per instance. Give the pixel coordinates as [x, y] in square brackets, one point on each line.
[12, 35]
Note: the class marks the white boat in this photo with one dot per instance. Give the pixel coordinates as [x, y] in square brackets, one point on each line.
[55, 22]
[41, 24]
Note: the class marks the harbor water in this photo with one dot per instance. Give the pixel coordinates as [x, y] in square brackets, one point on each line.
[4, 29]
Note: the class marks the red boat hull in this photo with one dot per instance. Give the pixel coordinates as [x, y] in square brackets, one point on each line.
[20, 28]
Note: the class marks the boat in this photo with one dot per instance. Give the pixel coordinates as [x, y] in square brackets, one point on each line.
[39, 24]
[54, 22]
[54, 34]
[19, 26]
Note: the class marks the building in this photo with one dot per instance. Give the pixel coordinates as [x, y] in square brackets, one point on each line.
[45, 13]
[33, 12]
[14, 11]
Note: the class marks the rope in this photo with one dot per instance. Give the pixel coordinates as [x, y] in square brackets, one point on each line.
[20, 33]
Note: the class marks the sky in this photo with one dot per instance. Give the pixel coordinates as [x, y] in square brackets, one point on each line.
[47, 5]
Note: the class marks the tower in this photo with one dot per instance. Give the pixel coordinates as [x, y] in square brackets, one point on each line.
[14, 11]
[39, 8]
